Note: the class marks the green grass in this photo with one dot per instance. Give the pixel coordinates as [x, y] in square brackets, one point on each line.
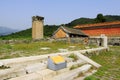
[110, 62]
[31, 48]
[73, 56]
[91, 78]
[75, 66]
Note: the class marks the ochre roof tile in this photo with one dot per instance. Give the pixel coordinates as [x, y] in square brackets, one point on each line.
[98, 24]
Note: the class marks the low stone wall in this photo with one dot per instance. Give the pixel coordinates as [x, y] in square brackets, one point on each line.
[14, 41]
[83, 40]
[91, 40]
[114, 41]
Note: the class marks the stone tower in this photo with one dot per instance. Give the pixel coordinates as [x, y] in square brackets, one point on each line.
[37, 27]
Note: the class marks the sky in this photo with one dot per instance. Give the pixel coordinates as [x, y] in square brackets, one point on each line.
[17, 14]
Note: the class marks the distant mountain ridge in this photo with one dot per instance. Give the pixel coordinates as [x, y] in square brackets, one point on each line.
[6, 30]
[49, 29]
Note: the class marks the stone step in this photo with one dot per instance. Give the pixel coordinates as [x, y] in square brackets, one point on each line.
[80, 62]
[39, 75]
[22, 61]
[69, 65]
[70, 75]
[28, 60]
[10, 73]
[68, 59]
[33, 76]
[21, 70]
[85, 75]
[39, 58]
[88, 60]
[35, 67]
[46, 73]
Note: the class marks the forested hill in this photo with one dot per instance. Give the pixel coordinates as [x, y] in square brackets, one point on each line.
[108, 18]
[27, 34]
[49, 29]
[112, 18]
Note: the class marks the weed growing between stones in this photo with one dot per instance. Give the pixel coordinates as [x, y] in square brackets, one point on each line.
[91, 78]
[75, 66]
[4, 67]
[73, 56]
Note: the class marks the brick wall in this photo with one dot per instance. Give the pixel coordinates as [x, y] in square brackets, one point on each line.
[110, 32]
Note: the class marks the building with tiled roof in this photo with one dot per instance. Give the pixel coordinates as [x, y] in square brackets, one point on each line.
[110, 29]
[63, 32]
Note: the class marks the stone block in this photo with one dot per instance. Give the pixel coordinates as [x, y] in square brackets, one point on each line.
[47, 74]
[1, 64]
[11, 73]
[35, 67]
[33, 76]
[80, 56]
[70, 75]
[56, 63]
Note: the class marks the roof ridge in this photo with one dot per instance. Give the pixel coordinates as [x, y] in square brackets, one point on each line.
[66, 30]
[97, 24]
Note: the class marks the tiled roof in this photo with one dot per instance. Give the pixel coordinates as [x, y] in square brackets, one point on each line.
[98, 24]
[73, 31]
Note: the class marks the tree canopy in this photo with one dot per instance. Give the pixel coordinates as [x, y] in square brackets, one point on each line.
[100, 18]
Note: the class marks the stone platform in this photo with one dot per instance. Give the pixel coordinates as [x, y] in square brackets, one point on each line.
[35, 67]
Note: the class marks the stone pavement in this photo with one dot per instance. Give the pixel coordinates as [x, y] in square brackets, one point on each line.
[35, 67]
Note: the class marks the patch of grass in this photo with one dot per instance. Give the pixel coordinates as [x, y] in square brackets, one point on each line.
[73, 56]
[75, 66]
[110, 62]
[79, 75]
[32, 48]
[91, 78]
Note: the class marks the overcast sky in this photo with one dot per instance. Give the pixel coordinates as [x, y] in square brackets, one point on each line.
[17, 14]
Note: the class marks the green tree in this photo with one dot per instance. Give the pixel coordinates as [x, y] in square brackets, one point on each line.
[100, 18]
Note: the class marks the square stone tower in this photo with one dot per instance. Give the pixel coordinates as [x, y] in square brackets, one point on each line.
[37, 27]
